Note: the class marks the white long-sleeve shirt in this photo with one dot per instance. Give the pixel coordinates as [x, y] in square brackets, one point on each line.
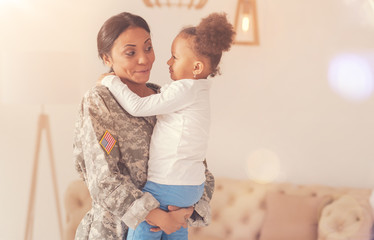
[179, 141]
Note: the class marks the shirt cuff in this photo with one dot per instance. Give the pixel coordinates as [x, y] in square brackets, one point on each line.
[108, 80]
[201, 217]
[139, 209]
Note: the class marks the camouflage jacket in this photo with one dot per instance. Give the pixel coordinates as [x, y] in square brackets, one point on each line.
[115, 180]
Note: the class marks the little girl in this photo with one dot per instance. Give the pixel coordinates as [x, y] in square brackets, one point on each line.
[176, 171]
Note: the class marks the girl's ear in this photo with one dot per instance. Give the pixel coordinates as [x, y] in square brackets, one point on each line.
[198, 67]
[107, 60]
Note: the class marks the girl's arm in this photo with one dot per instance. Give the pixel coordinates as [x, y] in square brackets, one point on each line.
[174, 97]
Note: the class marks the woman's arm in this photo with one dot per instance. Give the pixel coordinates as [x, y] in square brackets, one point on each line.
[110, 187]
[202, 215]
[176, 96]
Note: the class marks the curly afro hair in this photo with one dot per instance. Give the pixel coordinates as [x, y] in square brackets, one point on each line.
[212, 36]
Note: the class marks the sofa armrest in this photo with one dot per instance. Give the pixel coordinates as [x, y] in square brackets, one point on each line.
[345, 218]
[77, 202]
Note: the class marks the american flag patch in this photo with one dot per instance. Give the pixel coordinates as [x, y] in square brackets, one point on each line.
[108, 142]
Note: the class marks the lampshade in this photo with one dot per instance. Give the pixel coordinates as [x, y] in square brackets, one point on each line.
[246, 23]
[40, 78]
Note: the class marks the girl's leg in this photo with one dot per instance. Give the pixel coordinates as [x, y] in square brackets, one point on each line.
[181, 234]
[176, 195]
[143, 232]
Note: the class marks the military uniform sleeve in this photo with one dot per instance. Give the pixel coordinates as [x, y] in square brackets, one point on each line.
[110, 187]
[202, 215]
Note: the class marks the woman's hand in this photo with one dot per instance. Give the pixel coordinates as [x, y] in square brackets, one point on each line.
[171, 221]
[102, 76]
[181, 214]
[188, 212]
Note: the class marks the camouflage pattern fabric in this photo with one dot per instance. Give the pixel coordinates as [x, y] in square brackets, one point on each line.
[115, 180]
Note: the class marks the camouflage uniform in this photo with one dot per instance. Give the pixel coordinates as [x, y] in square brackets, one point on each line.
[115, 180]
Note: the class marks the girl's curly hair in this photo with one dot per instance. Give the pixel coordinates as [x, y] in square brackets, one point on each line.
[211, 37]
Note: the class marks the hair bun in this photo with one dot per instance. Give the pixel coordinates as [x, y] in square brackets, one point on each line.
[214, 34]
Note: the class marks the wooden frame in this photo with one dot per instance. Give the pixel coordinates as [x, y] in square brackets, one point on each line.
[43, 125]
[246, 9]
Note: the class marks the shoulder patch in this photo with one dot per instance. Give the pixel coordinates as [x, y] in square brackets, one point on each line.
[107, 142]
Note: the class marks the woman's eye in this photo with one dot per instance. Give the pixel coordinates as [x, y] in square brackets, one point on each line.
[130, 53]
[149, 48]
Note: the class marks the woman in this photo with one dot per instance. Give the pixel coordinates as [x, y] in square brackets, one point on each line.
[111, 146]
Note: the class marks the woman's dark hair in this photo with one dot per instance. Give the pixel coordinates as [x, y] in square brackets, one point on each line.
[113, 27]
[211, 37]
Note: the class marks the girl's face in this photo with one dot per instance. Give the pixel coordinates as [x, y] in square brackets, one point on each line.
[132, 55]
[181, 63]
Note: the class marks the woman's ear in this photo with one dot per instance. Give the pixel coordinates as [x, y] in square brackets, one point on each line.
[107, 60]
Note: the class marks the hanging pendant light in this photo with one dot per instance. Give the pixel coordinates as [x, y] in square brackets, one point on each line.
[246, 23]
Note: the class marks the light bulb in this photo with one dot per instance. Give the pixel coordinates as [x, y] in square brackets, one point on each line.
[245, 23]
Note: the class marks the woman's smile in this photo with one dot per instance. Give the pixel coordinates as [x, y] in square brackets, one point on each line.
[144, 71]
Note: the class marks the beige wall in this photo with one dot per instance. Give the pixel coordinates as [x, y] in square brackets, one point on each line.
[275, 96]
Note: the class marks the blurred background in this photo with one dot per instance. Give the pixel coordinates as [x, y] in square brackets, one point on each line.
[296, 107]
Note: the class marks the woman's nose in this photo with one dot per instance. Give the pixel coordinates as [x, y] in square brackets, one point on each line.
[143, 58]
[169, 62]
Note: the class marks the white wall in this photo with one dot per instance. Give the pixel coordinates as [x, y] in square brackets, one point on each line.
[275, 96]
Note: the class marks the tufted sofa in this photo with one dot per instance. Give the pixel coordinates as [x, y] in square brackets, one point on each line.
[245, 210]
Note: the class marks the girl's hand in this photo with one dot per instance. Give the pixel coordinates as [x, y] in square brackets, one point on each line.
[102, 76]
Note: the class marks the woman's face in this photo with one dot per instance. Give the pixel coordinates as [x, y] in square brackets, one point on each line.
[181, 63]
[132, 55]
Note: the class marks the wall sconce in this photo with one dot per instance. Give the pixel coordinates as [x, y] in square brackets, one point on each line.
[246, 23]
[178, 3]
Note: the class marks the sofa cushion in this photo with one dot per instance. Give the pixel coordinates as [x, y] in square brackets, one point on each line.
[345, 218]
[292, 217]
